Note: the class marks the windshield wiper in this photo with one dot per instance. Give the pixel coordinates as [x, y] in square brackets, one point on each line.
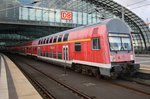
[122, 48]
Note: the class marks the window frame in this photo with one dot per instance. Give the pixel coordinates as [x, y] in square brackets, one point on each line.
[39, 42]
[59, 38]
[75, 45]
[51, 40]
[42, 41]
[120, 36]
[54, 39]
[59, 54]
[51, 54]
[65, 38]
[55, 55]
[97, 46]
[47, 40]
[46, 54]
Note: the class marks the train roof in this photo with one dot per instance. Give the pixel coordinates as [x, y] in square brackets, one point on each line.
[113, 25]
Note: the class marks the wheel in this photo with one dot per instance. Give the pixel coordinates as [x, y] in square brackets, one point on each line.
[114, 75]
[96, 73]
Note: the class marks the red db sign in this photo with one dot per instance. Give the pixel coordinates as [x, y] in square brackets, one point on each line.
[66, 15]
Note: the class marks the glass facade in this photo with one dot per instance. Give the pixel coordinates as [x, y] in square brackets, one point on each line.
[138, 42]
[54, 16]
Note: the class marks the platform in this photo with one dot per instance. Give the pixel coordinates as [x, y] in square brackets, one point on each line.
[13, 84]
[144, 64]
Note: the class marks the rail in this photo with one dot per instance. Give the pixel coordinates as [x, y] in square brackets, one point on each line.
[82, 95]
[36, 84]
[131, 88]
[44, 90]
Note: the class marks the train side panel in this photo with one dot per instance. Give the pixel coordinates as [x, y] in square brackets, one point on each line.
[87, 53]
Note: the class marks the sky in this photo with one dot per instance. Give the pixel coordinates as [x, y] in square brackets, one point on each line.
[133, 5]
[139, 7]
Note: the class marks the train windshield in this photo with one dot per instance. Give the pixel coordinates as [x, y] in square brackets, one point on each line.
[120, 42]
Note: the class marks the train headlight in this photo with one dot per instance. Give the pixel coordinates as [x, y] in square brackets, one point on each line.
[112, 58]
[131, 57]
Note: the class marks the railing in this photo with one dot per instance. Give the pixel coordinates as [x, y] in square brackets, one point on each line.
[38, 23]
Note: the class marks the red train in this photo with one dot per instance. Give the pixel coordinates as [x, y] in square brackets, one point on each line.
[100, 49]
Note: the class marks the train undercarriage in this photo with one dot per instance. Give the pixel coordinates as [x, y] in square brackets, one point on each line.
[122, 69]
[118, 70]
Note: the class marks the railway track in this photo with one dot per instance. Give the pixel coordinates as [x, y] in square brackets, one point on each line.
[43, 91]
[46, 93]
[139, 81]
[137, 89]
[121, 84]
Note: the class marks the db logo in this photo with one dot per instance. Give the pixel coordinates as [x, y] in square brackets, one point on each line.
[66, 15]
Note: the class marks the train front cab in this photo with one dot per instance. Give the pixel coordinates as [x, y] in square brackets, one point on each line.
[121, 52]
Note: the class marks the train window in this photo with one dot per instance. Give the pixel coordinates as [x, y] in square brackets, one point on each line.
[66, 37]
[46, 54]
[47, 40]
[54, 55]
[59, 38]
[120, 42]
[77, 46]
[95, 44]
[50, 54]
[55, 39]
[39, 42]
[50, 41]
[59, 55]
[43, 41]
[41, 53]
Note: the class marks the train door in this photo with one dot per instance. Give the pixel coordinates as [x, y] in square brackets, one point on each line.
[65, 52]
[39, 51]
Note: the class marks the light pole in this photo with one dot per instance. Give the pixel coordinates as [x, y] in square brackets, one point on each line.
[122, 13]
[65, 58]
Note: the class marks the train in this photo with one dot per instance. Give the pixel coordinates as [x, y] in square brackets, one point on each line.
[101, 49]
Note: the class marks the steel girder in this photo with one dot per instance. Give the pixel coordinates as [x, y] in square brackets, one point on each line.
[129, 17]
